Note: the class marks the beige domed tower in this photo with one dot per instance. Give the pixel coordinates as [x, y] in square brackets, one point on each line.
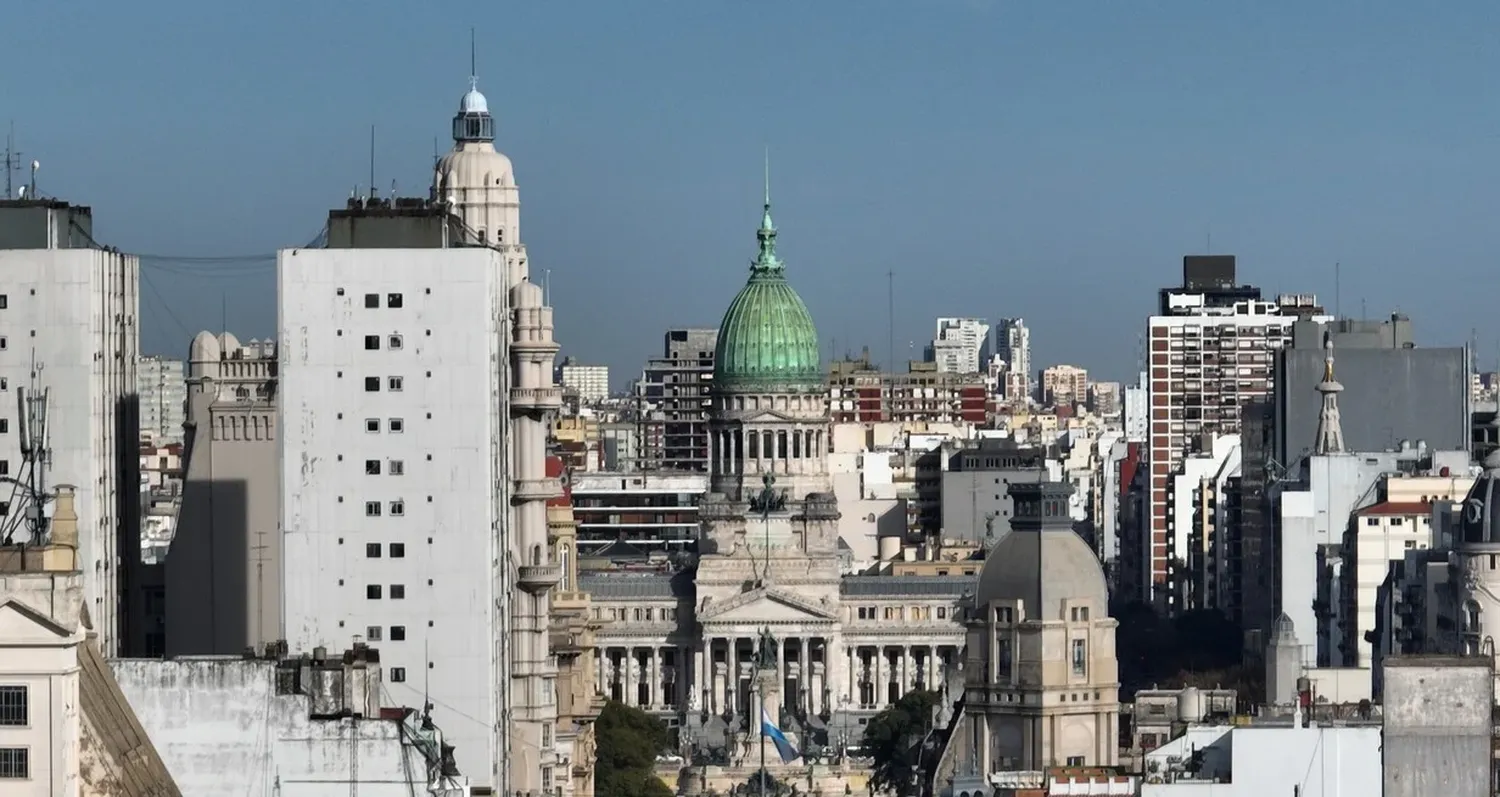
[1041, 677]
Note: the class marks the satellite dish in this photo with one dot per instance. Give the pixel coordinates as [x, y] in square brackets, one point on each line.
[21, 192]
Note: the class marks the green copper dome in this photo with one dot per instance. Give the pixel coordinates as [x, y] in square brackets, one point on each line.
[767, 341]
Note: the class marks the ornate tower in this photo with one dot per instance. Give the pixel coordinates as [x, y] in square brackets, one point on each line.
[480, 185]
[1330, 432]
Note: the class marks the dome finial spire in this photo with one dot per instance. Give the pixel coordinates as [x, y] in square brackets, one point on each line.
[766, 260]
[473, 62]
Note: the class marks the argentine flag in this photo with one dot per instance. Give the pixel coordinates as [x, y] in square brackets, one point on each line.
[783, 745]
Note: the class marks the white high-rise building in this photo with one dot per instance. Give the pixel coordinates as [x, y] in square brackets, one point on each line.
[393, 499]
[959, 345]
[416, 401]
[1013, 344]
[163, 391]
[69, 337]
[590, 382]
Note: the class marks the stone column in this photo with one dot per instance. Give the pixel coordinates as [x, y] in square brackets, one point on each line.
[696, 696]
[653, 671]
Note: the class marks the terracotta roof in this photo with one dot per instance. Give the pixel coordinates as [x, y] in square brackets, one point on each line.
[1397, 508]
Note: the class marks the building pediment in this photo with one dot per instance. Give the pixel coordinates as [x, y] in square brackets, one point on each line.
[21, 626]
[765, 604]
[761, 416]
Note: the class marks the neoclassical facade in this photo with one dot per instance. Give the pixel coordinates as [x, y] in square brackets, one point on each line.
[682, 642]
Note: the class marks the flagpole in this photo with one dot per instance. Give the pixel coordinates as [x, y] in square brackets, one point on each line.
[762, 691]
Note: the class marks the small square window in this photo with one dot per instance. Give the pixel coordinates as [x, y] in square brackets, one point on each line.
[398, 675]
[372, 633]
[4, 467]
[372, 300]
[394, 342]
[372, 424]
[396, 467]
[393, 300]
[372, 592]
[4, 507]
[398, 592]
[398, 550]
[4, 425]
[372, 384]
[340, 291]
[372, 467]
[394, 383]
[372, 342]
[372, 550]
[4, 343]
[398, 508]
[4, 299]
[372, 509]
[395, 425]
[4, 383]
[15, 763]
[398, 633]
[14, 708]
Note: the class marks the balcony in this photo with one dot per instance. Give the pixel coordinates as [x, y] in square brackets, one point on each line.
[538, 578]
[536, 489]
[536, 398]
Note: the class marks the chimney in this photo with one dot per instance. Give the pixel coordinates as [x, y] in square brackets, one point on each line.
[64, 532]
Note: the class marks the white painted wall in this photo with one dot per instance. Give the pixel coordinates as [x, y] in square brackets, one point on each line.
[1331, 762]
[451, 361]
[71, 315]
[223, 731]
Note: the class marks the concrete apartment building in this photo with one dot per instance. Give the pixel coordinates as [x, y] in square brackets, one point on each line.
[589, 382]
[1064, 384]
[417, 396]
[1013, 345]
[222, 575]
[1210, 346]
[959, 346]
[976, 502]
[1394, 395]
[672, 402]
[163, 392]
[859, 392]
[392, 498]
[70, 338]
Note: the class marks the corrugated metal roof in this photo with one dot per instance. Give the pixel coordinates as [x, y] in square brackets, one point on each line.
[637, 586]
[913, 586]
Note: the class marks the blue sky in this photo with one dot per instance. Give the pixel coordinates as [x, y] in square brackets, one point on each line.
[1052, 160]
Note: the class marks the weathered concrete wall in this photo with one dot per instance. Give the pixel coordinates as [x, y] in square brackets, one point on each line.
[223, 730]
[1438, 722]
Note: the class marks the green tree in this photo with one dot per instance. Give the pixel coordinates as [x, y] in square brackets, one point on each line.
[629, 740]
[894, 739]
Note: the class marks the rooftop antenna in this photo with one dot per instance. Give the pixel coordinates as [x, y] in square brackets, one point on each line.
[1337, 292]
[12, 162]
[890, 327]
[372, 161]
[1208, 240]
[31, 191]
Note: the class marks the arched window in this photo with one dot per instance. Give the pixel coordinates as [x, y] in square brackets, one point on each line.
[536, 554]
[562, 561]
[1472, 619]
